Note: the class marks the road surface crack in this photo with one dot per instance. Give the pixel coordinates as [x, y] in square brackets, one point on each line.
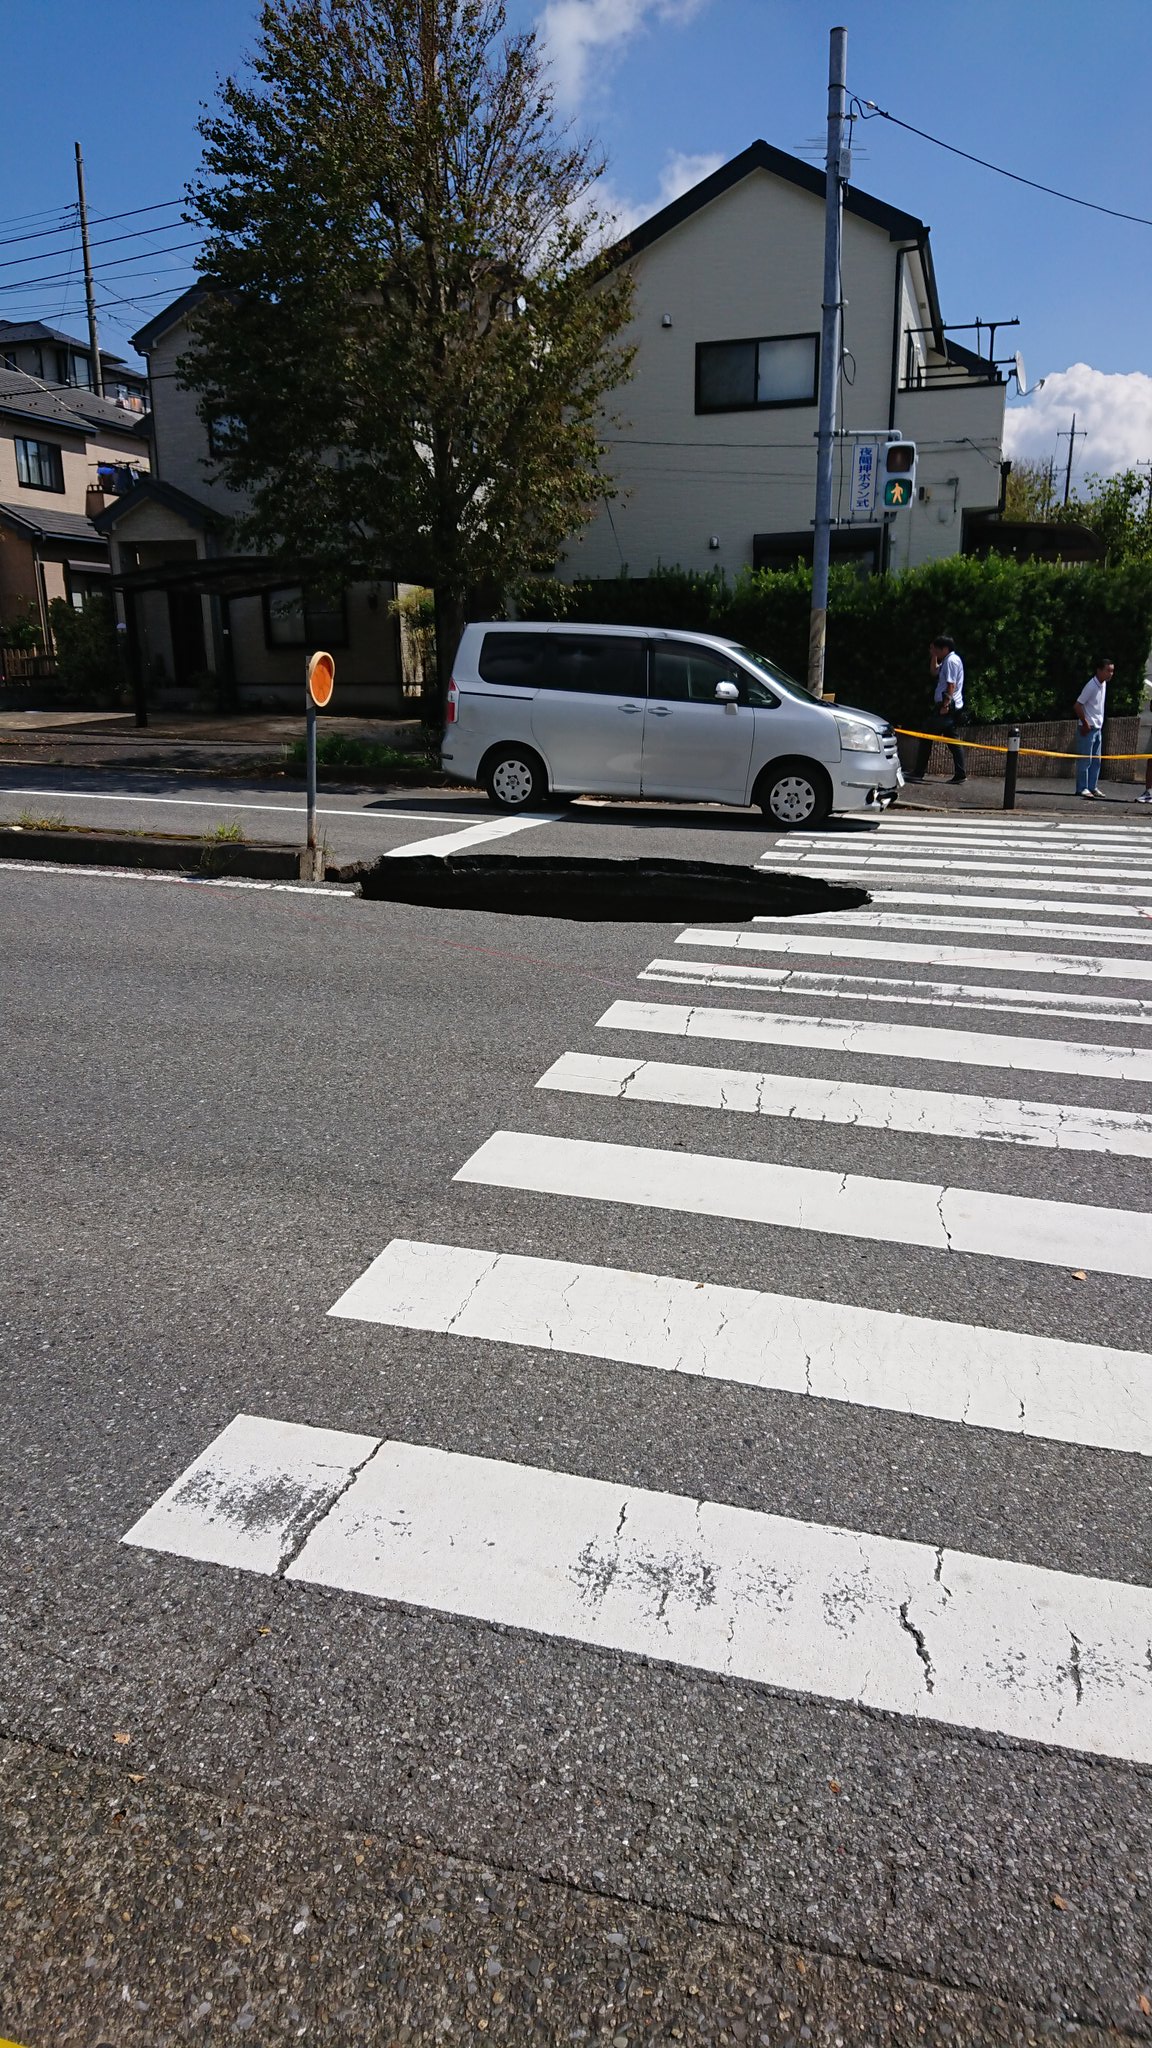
[917, 1636]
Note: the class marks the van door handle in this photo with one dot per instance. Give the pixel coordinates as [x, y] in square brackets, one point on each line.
[629, 707]
[659, 710]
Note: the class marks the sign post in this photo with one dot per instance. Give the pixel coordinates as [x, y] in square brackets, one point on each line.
[321, 679]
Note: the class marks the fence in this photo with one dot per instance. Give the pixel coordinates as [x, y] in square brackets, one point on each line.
[1121, 736]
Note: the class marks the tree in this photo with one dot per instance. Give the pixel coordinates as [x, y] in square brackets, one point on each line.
[409, 336]
[1030, 491]
[1119, 510]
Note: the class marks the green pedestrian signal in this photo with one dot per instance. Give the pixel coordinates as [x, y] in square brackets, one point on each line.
[899, 472]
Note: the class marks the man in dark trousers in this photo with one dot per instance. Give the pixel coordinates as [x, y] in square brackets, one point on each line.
[947, 672]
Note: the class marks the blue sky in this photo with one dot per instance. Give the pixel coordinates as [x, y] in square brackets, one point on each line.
[670, 87]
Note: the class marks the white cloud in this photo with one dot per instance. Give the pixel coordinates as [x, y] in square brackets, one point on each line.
[1113, 409]
[681, 170]
[575, 33]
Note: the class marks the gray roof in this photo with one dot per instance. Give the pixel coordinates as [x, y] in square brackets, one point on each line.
[27, 398]
[101, 412]
[46, 525]
[38, 330]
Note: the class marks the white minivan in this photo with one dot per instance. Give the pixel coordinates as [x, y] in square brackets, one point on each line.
[536, 709]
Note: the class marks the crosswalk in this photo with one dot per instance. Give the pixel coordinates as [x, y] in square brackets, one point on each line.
[923, 1630]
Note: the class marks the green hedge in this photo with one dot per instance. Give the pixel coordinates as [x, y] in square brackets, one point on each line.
[1028, 632]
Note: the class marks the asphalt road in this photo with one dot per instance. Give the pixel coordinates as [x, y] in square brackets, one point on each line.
[237, 1803]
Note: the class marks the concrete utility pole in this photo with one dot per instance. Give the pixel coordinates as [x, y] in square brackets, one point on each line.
[89, 291]
[835, 177]
[1071, 436]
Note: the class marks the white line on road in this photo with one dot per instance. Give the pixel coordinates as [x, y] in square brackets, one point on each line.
[1072, 1234]
[474, 835]
[892, 1041]
[815, 945]
[218, 803]
[871, 1358]
[923, 1112]
[979, 868]
[47, 867]
[1040, 903]
[875, 988]
[911, 872]
[939, 1635]
[988, 927]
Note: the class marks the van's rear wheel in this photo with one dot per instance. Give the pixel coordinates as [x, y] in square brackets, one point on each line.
[514, 779]
[792, 794]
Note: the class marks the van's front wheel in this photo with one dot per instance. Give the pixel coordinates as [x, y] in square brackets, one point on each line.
[514, 779]
[792, 794]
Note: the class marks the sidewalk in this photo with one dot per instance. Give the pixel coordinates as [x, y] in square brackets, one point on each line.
[112, 739]
[1033, 797]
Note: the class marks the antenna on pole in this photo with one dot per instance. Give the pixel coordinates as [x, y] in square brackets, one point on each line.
[835, 177]
[89, 290]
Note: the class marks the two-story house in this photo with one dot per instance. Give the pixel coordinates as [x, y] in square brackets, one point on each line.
[201, 615]
[60, 360]
[712, 443]
[64, 455]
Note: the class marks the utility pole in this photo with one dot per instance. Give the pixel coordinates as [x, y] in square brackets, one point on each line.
[835, 177]
[1071, 436]
[89, 291]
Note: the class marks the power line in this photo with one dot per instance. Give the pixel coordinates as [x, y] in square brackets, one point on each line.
[25, 284]
[134, 235]
[869, 111]
[97, 220]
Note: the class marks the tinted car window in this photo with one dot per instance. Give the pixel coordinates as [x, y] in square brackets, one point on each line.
[511, 658]
[684, 674]
[597, 666]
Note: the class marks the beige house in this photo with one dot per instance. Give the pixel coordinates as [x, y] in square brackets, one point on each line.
[64, 455]
[713, 441]
[204, 619]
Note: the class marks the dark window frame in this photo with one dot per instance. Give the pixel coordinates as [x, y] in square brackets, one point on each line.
[755, 342]
[23, 464]
[307, 640]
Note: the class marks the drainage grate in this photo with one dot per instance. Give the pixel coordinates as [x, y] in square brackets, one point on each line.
[601, 891]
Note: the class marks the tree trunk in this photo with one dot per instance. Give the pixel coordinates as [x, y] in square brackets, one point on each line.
[450, 610]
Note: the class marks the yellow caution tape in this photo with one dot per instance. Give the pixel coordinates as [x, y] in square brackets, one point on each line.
[944, 739]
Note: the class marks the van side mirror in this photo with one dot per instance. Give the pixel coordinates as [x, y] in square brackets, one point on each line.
[727, 693]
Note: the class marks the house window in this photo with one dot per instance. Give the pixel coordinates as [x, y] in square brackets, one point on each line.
[225, 429]
[292, 618]
[743, 376]
[38, 465]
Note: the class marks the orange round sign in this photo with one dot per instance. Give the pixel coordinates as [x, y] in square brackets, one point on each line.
[321, 679]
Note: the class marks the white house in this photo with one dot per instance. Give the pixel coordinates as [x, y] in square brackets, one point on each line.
[712, 443]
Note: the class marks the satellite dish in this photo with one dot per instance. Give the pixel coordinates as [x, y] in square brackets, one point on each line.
[1021, 377]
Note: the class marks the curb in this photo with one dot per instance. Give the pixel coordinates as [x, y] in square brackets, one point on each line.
[92, 849]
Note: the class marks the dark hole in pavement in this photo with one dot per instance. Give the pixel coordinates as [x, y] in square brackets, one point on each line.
[602, 891]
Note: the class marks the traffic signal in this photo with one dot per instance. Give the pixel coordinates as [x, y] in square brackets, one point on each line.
[899, 474]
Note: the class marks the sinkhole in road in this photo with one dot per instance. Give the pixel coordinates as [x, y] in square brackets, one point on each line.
[602, 891]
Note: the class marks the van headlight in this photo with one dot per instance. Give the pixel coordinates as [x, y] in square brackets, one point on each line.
[855, 736]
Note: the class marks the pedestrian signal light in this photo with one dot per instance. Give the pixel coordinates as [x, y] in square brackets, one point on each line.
[899, 474]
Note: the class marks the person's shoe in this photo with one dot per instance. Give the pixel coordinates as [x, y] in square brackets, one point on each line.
[1085, 792]
[1145, 797]
[908, 779]
[957, 778]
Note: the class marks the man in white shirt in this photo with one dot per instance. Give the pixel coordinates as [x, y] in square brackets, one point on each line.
[1090, 737]
[947, 671]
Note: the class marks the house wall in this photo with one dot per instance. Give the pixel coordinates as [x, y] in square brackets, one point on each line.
[179, 437]
[74, 454]
[751, 264]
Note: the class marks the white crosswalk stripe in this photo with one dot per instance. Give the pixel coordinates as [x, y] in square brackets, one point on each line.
[893, 1041]
[970, 1640]
[926, 1111]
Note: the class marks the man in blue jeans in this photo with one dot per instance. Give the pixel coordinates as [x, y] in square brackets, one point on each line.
[1090, 737]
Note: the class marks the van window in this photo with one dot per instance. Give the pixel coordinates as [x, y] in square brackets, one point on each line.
[511, 658]
[597, 666]
[683, 673]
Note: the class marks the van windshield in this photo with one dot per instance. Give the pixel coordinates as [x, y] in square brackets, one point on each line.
[778, 677]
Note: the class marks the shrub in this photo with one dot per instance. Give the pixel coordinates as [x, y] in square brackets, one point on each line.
[87, 654]
[1028, 631]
